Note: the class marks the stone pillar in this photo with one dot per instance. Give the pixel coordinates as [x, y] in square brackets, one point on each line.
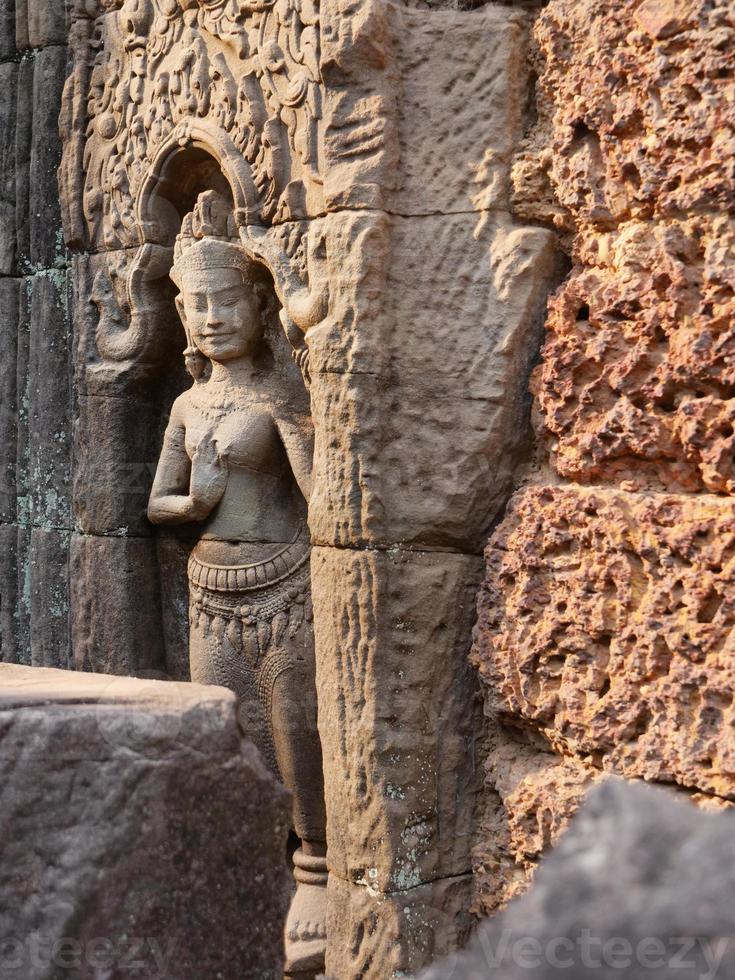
[418, 395]
[138, 826]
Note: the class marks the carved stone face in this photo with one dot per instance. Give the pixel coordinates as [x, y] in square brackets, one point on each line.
[221, 312]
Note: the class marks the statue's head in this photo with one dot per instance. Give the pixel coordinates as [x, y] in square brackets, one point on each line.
[223, 293]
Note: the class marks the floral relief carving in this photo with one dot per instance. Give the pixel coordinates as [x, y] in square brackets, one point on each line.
[248, 69]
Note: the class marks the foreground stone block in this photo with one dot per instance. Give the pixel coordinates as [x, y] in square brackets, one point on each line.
[641, 886]
[136, 823]
[606, 625]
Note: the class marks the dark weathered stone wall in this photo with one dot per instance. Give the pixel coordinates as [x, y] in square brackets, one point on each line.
[36, 386]
[60, 527]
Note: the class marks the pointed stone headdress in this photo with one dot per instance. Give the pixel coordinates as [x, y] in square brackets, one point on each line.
[209, 240]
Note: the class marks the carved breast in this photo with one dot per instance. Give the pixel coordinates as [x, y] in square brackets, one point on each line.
[247, 435]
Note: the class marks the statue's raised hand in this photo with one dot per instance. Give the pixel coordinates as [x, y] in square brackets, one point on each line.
[209, 472]
[305, 303]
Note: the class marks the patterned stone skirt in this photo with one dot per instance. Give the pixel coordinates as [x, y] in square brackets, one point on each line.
[248, 625]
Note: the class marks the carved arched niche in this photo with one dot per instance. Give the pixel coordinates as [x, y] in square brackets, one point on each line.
[195, 159]
[181, 98]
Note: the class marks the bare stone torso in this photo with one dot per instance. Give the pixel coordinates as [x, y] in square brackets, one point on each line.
[261, 502]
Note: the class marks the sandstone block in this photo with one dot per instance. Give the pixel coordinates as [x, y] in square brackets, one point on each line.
[23, 143]
[393, 74]
[47, 398]
[397, 713]
[417, 435]
[45, 238]
[172, 551]
[137, 820]
[361, 78]
[47, 22]
[44, 574]
[33, 154]
[11, 650]
[463, 79]
[8, 124]
[23, 400]
[116, 443]
[605, 624]
[7, 29]
[638, 875]
[9, 300]
[116, 624]
[19, 567]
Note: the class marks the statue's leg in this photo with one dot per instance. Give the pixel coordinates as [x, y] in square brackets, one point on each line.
[298, 751]
[278, 707]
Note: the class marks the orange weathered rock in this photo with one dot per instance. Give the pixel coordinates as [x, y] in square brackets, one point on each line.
[604, 634]
[605, 644]
[606, 625]
[631, 158]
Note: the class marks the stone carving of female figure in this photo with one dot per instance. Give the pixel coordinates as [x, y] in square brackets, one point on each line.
[237, 459]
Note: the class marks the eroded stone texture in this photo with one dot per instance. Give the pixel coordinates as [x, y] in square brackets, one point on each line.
[606, 625]
[637, 872]
[400, 770]
[134, 812]
[604, 633]
[632, 158]
[530, 795]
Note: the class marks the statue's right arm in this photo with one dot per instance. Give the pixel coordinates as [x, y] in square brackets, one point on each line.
[170, 501]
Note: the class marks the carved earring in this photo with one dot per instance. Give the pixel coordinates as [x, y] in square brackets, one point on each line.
[196, 362]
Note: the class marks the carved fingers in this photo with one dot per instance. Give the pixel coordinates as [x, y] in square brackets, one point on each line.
[306, 304]
[209, 473]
